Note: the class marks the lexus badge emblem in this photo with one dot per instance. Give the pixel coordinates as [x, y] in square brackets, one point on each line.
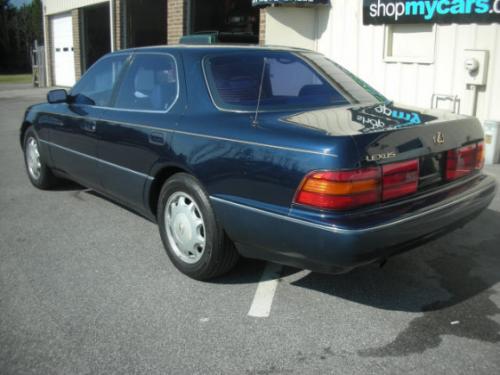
[438, 138]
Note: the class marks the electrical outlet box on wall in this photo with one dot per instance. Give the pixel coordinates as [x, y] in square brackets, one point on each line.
[476, 66]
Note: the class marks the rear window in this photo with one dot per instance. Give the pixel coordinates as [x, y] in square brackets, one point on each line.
[150, 84]
[288, 81]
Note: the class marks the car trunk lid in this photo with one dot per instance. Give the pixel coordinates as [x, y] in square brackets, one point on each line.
[385, 133]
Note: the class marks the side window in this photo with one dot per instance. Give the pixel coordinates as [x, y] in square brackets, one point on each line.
[96, 86]
[151, 84]
[288, 82]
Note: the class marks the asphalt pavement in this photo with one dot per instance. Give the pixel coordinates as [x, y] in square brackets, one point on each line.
[86, 288]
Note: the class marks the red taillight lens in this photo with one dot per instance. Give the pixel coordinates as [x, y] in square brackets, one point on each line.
[399, 179]
[340, 190]
[344, 190]
[464, 160]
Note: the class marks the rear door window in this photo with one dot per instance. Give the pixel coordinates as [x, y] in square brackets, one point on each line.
[287, 82]
[150, 84]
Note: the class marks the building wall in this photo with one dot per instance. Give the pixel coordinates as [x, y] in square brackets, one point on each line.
[341, 35]
[60, 6]
[361, 49]
[48, 51]
[291, 26]
[54, 7]
[176, 20]
[76, 18]
[177, 25]
[117, 28]
[262, 25]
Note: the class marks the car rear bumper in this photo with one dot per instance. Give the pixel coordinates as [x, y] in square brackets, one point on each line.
[323, 245]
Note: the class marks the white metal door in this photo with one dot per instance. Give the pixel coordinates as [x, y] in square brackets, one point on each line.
[62, 50]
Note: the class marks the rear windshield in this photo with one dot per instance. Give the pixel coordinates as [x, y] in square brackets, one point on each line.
[283, 80]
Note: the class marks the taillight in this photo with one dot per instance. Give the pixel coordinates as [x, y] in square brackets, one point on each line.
[480, 155]
[342, 190]
[400, 179]
[463, 161]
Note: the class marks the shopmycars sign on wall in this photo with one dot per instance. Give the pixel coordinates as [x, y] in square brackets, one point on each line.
[256, 3]
[378, 12]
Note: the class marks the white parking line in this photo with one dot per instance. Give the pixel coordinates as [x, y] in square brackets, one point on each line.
[263, 299]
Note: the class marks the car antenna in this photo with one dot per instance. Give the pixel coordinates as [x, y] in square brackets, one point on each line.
[255, 120]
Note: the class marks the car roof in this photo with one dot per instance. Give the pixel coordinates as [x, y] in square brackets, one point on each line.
[211, 47]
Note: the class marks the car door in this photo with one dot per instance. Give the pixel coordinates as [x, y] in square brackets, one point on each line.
[135, 134]
[74, 140]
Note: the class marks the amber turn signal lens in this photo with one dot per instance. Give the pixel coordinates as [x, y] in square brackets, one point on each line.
[318, 186]
[480, 155]
[340, 190]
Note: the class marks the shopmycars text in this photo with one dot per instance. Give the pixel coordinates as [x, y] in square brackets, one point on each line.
[429, 10]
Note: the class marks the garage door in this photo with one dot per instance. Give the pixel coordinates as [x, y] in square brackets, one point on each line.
[62, 50]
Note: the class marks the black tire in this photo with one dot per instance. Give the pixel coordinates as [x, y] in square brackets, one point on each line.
[219, 254]
[45, 179]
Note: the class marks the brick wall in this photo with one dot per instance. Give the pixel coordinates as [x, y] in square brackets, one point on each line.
[75, 15]
[176, 27]
[117, 24]
[176, 20]
[262, 26]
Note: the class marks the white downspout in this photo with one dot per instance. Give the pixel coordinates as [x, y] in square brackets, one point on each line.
[112, 23]
[474, 100]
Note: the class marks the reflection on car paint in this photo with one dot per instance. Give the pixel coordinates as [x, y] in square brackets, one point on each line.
[382, 117]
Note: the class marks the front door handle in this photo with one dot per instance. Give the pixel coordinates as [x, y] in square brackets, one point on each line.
[50, 120]
[157, 138]
[90, 126]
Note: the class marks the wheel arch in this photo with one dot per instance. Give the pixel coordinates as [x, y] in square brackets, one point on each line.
[24, 127]
[162, 175]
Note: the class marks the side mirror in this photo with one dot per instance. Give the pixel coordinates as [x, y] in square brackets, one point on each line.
[57, 96]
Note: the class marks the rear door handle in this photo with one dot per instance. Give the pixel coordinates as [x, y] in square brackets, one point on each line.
[90, 126]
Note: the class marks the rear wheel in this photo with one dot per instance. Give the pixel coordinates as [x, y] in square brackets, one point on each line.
[39, 173]
[193, 239]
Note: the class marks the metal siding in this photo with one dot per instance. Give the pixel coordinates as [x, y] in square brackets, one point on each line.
[59, 6]
[302, 35]
[361, 48]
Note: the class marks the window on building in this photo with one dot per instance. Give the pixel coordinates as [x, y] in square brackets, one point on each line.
[150, 84]
[234, 21]
[95, 34]
[410, 43]
[143, 22]
[96, 86]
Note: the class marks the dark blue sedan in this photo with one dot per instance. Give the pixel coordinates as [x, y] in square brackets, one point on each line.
[272, 153]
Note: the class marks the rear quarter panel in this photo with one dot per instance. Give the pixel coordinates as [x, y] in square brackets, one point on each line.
[261, 165]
